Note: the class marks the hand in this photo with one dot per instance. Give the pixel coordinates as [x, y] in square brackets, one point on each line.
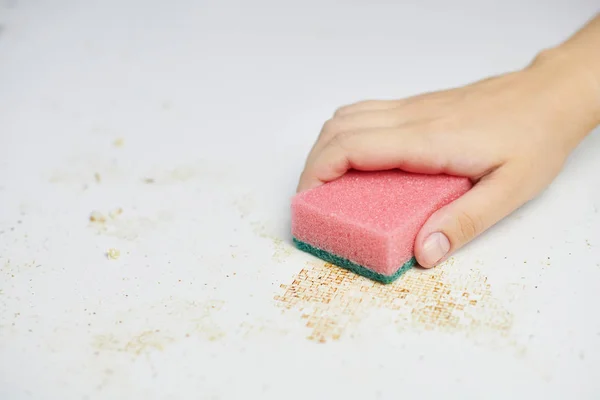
[509, 134]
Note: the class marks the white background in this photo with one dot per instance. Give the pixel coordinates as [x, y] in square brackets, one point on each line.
[218, 103]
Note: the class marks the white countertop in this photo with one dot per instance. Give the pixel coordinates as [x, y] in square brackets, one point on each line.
[194, 119]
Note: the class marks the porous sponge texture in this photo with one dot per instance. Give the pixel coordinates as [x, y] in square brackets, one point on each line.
[371, 219]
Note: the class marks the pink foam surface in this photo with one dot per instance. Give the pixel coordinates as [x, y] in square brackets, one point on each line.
[372, 218]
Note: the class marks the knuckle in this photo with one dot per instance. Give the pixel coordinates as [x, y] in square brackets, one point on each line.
[330, 129]
[344, 110]
[343, 140]
[340, 111]
[469, 226]
[329, 125]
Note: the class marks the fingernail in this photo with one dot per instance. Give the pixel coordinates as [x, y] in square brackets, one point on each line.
[436, 246]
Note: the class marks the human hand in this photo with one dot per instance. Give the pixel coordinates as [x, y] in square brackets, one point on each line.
[509, 134]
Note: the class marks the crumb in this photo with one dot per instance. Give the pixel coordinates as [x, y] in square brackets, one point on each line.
[96, 216]
[115, 213]
[97, 177]
[113, 254]
[148, 180]
[119, 142]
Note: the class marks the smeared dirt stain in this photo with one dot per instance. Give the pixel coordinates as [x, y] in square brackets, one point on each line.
[333, 300]
[258, 327]
[201, 172]
[141, 343]
[83, 171]
[163, 324]
[13, 267]
[281, 249]
[245, 205]
[118, 224]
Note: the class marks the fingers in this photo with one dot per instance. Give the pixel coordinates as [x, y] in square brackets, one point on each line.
[354, 122]
[456, 224]
[376, 149]
[379, 114]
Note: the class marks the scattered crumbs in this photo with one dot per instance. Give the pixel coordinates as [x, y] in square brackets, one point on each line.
[113, 254]
[588, 244]
[97, 216]
[97, 177]
[119, 142]
[148, 181]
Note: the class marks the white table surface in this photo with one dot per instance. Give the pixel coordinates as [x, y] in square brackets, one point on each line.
[194, 118]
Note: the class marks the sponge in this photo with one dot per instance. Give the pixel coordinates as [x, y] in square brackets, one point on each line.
[367, 222]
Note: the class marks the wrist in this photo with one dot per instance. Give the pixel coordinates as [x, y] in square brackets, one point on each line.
[574, 77]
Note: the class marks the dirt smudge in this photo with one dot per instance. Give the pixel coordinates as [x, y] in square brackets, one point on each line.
[282, 250]
[163, 324]
[333, 301]
[117, 224]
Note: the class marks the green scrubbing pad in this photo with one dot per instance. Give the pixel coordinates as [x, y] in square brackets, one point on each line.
[356, 268]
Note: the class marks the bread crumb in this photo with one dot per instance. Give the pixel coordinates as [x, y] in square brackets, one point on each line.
[97, 216]
[115, 213]
[97, 177]
[119, 142]
[148, 180]
[113, 254]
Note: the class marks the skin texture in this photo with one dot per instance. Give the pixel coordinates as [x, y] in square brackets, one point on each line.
[510, 134]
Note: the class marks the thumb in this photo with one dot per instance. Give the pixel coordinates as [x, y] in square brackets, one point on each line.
[454, 225]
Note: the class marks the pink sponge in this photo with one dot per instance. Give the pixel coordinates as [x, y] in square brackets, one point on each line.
[367, 221]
